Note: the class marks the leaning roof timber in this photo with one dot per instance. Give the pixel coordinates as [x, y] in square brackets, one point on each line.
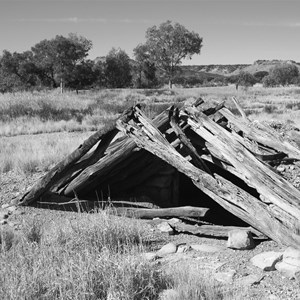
[208, 136]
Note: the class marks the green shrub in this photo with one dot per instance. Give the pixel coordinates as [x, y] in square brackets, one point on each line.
[269, 81]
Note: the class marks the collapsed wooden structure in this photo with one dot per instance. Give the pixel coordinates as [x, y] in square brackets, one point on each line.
[227, 159]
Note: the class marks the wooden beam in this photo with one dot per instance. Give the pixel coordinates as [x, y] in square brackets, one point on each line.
[262, 134]
[60, 169]
[212, 230]
[234, 199]
[151, 213]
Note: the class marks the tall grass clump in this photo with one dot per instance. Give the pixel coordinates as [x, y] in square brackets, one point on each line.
[94, 257]
[190, 282]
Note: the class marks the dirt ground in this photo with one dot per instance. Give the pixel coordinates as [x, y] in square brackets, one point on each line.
[225, 262]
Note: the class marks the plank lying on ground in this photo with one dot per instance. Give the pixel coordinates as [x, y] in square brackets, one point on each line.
[212, 230]
[150, 213]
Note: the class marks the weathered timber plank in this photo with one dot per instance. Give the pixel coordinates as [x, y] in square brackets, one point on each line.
[262, 134]
[234, 199]
[77, 168]
[120, 152]
[61, 168]
[238, 106]
[174, 115]
[212, 230]
[150, 213]
[269, 184]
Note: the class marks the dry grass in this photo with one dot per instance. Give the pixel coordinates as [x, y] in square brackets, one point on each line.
[90, 256]
[31, 153]
[35, 113]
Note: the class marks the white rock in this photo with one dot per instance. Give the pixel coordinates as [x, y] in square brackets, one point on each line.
[292, 256]
[280, 168]
[207, 248]
[183, 248]
[165, 227]
[225, 277]
[288, 270]
[167, 249]
[240, 239]
[267, 260]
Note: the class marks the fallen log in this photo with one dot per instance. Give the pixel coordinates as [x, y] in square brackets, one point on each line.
[148, 213]
[212, 230]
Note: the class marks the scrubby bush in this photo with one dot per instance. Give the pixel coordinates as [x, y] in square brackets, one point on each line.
[245, 79]
[269, 81]
[260, 75]
[282, 74]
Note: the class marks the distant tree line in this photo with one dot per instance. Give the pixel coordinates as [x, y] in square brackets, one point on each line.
[62, 62]
[282, 74]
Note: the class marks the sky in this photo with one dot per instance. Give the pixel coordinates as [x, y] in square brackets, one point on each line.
[233, 32]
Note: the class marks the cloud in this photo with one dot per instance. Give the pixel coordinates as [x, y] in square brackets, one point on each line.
[63, 20]
[265, 24]
[294, 25]
[83, 20]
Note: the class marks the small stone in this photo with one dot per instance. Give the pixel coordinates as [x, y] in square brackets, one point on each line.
[292, 256]
[280, 168]
[165, 227]
[207, 248]
[225, 277]
[267, 260]
[288, 270]
[240, 239]
[167, 249]
[183, 248]
[3, 222]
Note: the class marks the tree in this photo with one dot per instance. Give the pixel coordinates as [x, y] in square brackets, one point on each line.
[144, 68]
[117, 69]
[18, 70]
[269, 81]
[83, 76]
[168, 44]
[260, 75]
[57, 58]
[245, 79]
[284, 74]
